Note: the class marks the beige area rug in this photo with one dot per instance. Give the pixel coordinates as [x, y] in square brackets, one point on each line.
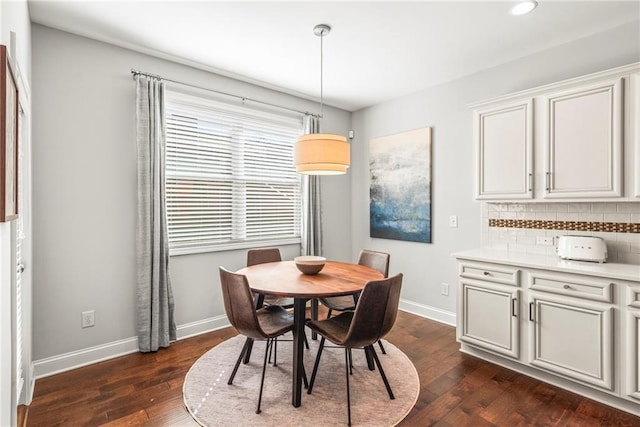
[212, 402]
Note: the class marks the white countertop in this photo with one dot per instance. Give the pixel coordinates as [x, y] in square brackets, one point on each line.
[610, 270]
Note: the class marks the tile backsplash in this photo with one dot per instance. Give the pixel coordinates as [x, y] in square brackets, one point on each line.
[517, 226]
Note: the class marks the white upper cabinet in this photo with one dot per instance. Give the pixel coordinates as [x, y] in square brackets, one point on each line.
[504, 151]
[633, 119]
[583, 141]
[575, 140]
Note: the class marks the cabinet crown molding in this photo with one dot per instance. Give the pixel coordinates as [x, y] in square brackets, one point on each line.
[539, 90]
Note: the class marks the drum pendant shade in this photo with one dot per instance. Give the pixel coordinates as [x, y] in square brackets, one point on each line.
[322, 154]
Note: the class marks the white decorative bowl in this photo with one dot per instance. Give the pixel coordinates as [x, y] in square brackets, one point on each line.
[310, 264]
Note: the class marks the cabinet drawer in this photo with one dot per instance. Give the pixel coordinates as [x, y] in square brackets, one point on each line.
[633, 296]
[491, 273]
[572, 286]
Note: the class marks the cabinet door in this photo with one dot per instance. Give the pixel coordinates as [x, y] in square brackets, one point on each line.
[633, 354]
[632, 342]
[634, 126]
[489, 317]
[583, 144]
[572, 339]
[503, 139]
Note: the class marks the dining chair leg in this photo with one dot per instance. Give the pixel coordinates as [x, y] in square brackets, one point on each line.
[346, 369]
[235, 368]
[304, 377]
[381, 347]
[367, 354]
[264, 365]
[384, 377]
[350, 362]
[275, 351]
[315, 366]
[247, 354]
[259, 301]
[306, 343]
[329, 313]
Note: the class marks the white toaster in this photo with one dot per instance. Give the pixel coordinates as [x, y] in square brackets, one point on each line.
[582, 248]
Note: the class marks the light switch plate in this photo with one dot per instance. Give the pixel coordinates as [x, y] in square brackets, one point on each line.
[453, 221]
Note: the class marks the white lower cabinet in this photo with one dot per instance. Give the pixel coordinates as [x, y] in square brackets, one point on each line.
[578, 331]
[573, 339]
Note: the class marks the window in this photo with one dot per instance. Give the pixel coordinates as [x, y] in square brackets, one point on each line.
[230, 178]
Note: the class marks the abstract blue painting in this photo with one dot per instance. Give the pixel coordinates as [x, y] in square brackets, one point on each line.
[400, 186]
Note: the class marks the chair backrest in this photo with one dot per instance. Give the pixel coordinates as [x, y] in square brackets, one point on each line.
[263, 255]
[374, 312]
[377, 260]
[239, 304]
[392, 306]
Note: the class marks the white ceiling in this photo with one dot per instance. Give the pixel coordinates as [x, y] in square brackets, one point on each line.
[375, 52]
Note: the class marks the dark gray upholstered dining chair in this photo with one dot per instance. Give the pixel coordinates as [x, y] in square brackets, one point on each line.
[373, 259]
[267, 323]
[373, 318]
[262, 256]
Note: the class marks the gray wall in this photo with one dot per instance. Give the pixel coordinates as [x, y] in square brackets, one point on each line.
[444, 108]
[84, 186]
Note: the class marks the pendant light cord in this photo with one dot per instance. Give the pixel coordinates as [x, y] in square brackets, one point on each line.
[321, 76]
[321, 30]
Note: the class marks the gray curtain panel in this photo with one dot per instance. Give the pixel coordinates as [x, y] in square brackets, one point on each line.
[156, 327]
[311, 208]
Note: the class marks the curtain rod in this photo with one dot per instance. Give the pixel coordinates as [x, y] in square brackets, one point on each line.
[243, 98]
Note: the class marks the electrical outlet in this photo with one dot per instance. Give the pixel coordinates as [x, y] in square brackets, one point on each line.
[444, 289]
[88, 318]
[453, 221]
[544, 241]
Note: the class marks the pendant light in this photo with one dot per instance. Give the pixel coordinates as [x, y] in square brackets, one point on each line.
[321, 153]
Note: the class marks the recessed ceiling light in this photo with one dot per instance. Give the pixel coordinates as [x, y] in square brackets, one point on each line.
[524, 7]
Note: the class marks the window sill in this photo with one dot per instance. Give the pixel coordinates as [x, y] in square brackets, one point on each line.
[232, 246]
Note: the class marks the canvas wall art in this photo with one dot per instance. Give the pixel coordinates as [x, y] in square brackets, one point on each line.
[400, 186]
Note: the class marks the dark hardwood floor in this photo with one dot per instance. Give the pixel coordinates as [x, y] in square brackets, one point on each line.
[455, 389]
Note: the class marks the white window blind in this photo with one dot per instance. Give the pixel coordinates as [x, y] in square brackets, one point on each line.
[230, 178]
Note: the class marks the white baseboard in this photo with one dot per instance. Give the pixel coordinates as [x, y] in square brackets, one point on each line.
[32, 387]
[76, 359]
[433, 313]
[192, 329]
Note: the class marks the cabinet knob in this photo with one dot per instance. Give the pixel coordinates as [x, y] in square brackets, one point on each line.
[567, 287]
[486, 273]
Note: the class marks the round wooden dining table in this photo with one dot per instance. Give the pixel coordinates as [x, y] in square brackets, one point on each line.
[285, 280]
